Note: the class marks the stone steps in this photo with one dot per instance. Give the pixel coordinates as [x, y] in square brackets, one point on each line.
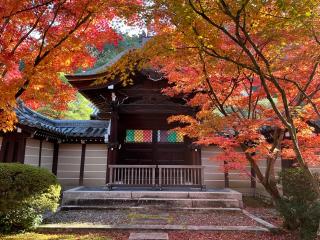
[162, 199]
[158, 202]
[145, 208]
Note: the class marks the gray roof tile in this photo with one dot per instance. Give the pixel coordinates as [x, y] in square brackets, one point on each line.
[63, 128]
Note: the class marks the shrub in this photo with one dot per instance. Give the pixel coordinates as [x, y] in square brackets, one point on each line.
[26, 193]
[299, 205]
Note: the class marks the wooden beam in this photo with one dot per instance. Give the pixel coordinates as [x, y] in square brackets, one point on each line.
[83, 157]
[154, 108]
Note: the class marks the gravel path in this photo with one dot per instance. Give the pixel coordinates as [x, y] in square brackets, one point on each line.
[113, 217]
[230, 236]
[187, 235]
[215, 218]
[158, 217]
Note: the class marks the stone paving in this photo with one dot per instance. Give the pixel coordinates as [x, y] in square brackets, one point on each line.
[149, 236]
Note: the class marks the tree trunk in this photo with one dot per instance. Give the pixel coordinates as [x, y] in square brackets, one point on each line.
[270, 186]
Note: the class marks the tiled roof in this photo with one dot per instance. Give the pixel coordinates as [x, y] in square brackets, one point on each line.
[63, 128]
[105, 67]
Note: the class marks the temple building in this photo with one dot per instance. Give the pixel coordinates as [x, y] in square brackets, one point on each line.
[128, 143]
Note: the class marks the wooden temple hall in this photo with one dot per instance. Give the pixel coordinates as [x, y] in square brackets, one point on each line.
[127, 143]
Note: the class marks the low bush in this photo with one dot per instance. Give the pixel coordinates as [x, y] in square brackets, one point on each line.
[299, 205]
[26, 193]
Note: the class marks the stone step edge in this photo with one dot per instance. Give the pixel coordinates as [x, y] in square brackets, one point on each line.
[59, 227]
[135, 195]
[159, 199]
[268, 225]
[98, 207]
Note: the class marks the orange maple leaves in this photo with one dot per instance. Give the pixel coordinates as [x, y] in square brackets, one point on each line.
[40, 38]
[247, 66]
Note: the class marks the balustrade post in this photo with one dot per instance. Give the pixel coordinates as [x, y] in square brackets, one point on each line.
[203, 187]
[160, 177]
[154, 176]
[109, 185]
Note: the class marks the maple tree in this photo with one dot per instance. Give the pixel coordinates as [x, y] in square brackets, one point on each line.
[40, 38]
[252, 69]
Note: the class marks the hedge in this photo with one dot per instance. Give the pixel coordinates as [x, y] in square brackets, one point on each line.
[26, 193]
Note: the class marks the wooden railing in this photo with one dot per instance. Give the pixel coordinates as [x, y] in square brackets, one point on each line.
[181, 175]
[156, 175]
[132, 175]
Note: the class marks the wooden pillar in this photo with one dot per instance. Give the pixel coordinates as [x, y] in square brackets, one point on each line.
[253, 178]
[113, 140]
[83, 157]
[55, 158]
[194, 153]
[4, 149]
[226, 177]
[23, 149]
[196, 156]
[40, 153]
[154, 154]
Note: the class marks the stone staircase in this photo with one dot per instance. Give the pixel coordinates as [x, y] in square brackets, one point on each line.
[95, 198]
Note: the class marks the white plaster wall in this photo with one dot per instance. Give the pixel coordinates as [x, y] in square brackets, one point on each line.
[69, 160]
[47, 155]
[214, 175]
[31, 156]
[95, 165]
[238, 180]
[241, 180]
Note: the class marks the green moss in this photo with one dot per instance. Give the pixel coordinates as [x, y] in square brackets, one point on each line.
[169, 218]
[146, 216]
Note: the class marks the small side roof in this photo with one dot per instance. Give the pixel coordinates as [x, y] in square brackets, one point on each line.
[62, 128]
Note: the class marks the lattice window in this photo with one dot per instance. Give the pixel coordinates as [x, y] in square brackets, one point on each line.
[165, 136]
[138, 136]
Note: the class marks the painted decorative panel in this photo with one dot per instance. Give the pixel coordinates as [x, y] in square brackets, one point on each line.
[138, 136]
[165, 136]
